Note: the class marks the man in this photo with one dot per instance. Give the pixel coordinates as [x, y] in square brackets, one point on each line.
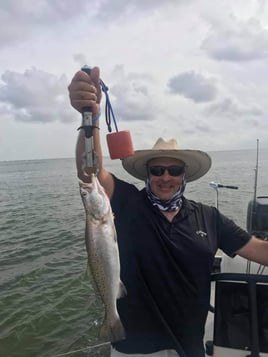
[166, 242]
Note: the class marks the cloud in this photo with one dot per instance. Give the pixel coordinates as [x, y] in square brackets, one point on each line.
[241, 41]
[132, 95]
[28, 18]
[80, 59]
[38, 96]
[20, 18]
[34, 96]
[112, 10]
[193, 86]
[230, 108]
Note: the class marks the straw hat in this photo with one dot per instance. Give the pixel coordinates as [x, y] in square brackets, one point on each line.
[197, 163]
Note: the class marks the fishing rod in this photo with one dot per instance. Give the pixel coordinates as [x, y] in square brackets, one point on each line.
[253, 207]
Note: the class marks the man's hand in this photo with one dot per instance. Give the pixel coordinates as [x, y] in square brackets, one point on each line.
[85, 91]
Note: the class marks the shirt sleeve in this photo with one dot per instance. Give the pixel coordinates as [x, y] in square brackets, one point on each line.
[231, 236]
[123, 192]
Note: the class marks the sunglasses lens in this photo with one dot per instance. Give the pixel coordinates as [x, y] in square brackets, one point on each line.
[175, 170]
[172, 170]
[156, 170]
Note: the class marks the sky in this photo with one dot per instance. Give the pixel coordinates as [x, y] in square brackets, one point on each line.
[194, 70]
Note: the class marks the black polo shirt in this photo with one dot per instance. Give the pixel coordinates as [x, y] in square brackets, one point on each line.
[166, 267]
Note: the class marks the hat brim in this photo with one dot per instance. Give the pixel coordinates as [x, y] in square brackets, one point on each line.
[197, 163]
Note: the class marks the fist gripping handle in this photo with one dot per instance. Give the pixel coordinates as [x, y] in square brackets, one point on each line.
[119, 143]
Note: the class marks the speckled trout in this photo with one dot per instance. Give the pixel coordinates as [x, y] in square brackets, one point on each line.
[103, 256]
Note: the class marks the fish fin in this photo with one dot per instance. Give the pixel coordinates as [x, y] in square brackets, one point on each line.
[115, 234]
[113, 331]
[122, 291]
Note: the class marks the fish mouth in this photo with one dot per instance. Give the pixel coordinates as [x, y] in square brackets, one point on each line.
[85, 186]
[94, 181]
[89, 185]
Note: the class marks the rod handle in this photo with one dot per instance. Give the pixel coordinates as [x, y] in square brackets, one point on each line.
[87, 70]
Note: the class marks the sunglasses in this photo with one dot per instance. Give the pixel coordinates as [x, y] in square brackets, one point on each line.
[172, 170]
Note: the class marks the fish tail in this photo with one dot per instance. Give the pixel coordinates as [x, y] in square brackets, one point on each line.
[113, 330]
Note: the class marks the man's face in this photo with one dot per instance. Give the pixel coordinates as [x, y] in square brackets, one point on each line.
[165, 186]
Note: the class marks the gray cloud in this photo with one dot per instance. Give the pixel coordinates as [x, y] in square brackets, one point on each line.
[38, 96]
[111, 10]
[197, 127]
[194, 86]
[80, 59]
[132, 95]
[229, 108]
[34, 96]
[21, 19]
[240, 42]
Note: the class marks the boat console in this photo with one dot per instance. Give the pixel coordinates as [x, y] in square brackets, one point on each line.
[257, 217]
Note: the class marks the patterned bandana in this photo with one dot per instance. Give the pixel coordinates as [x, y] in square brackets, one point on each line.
[174, 203]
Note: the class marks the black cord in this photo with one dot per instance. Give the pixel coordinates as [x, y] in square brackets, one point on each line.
[88, 130]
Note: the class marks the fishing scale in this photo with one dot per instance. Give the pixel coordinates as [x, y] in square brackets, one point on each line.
[119, 142]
